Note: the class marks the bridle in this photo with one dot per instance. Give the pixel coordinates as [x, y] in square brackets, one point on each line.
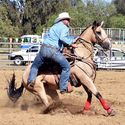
[91, 50]
[99, 40]
[83, 42]
[85, 60]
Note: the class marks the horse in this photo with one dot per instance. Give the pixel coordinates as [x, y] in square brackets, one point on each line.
[83, 70]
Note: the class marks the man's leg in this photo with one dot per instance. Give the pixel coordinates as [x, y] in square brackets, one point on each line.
[64, 78]
[45, 53]
[34, 71]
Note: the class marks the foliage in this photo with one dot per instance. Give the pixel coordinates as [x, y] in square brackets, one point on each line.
[31, 16]
[120, 6]
[98, 10]
[6, 28]
[117, 21]
[37, 13]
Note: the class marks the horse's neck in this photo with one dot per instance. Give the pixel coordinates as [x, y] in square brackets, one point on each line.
[87, 35]
[85, 49]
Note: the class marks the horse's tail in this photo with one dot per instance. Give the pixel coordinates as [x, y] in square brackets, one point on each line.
[14, 93]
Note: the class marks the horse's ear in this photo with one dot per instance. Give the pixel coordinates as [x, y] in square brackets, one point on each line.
[94, 23]
[102, 23]
[94, 26]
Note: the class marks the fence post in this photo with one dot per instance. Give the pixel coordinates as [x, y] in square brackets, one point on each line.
[10, 44]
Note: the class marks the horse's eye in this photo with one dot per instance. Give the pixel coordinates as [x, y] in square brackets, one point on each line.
[98, 32]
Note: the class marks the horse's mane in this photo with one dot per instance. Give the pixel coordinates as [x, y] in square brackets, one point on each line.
[98, 24]
[85, 29]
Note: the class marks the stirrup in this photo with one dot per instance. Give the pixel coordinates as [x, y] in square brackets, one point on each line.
[69, 88]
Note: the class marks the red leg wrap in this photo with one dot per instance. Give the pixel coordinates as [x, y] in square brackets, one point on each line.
[87, 105]
[109, 111]
[104, 104]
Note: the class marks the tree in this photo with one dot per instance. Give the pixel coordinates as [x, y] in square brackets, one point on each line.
[120, 6]
[31, 16]
[117, 21]
[85, 13]
[37, 13]
[12, 13]
[6, 28]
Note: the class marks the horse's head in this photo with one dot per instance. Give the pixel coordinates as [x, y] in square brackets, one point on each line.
[93, 34]
[100, 37]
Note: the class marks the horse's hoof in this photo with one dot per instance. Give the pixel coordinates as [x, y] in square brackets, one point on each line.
[111, 112]
[84, 111]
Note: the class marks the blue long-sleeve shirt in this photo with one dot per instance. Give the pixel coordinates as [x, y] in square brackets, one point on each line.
[58, 35]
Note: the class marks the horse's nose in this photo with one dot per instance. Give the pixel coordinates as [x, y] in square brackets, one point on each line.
[106, 45]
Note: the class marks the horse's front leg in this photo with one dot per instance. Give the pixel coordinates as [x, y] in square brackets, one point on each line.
[86, 81]
[109, 110]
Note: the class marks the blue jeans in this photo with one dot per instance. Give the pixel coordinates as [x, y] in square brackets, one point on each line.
[54, 55]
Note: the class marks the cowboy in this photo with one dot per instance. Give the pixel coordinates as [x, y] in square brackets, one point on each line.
[51, 49]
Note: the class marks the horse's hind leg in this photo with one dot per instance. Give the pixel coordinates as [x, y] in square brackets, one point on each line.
[44, 99]
[39, 90]
[52, 93]
[43, 91]
[89, 99]
[42, 95]
[53, 100]
[56, 102]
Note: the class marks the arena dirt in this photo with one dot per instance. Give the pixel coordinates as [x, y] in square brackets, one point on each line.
[27, 110]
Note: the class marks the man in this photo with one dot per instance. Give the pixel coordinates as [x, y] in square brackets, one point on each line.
[51, 49]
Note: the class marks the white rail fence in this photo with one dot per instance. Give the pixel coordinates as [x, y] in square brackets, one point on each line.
[117, 34]
[6, 48]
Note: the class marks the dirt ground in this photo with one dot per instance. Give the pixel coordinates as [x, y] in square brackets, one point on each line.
[27, 110]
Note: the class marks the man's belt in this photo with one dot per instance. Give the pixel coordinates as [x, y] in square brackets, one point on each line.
[50, 46]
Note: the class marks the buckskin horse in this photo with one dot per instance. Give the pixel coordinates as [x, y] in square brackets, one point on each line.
[83, 70]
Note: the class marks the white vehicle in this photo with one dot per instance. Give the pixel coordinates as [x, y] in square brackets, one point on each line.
[113, 59]
[25, 55]
[31, 39]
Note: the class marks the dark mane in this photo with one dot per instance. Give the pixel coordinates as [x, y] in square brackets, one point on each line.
[85, 29]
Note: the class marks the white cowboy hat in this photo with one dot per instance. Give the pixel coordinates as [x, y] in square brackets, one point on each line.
[62, 16]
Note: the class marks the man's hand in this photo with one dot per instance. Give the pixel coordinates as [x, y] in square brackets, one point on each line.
[76, 38]
[74, 45]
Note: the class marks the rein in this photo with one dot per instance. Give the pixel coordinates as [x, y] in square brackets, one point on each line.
[85, 60]
[80, 40]
[83, 43]
[82, 59]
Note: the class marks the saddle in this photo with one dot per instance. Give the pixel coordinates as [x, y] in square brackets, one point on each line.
[72, 80]
[55, 69]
